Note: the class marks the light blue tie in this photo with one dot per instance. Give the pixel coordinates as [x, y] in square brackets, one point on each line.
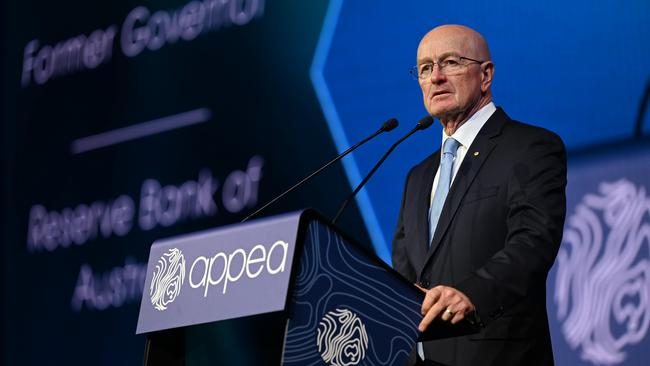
[444, 181]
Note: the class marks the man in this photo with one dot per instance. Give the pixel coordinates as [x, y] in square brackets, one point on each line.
[480, 226]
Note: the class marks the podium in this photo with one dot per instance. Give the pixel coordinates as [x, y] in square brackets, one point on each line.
[343, 305]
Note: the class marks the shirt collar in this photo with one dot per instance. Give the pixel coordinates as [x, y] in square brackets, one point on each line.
[466, 133]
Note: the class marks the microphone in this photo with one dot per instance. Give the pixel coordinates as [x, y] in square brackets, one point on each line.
[389, 125]
[422, 124]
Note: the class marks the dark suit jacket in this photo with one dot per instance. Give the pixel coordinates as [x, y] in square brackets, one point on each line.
[497, 238]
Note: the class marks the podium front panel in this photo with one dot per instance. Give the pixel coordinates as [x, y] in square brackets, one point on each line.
[347, 307]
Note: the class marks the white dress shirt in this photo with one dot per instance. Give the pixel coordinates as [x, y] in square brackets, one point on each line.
[465, 134]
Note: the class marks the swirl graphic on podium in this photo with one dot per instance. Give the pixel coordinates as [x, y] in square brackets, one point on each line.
[341, 338]
[168, 277]
[603, 279]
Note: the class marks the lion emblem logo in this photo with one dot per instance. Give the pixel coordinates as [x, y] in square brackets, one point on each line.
[602, 288]
[341, 338]
[167, 279]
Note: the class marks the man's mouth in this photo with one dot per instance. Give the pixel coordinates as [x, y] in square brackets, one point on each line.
[440, 92]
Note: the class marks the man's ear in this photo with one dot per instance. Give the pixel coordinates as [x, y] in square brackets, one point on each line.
[487, 72]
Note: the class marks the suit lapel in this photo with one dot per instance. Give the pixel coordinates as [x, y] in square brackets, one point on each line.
[484, 143]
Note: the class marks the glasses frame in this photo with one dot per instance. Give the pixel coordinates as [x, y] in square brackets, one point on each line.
[415, 73]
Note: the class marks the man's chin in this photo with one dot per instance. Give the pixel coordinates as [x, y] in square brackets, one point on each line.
[443, 113]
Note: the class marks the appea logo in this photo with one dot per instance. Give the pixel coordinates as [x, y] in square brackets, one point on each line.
[223, 269]
[602, 288]
[168, 277]
[220, 270]
[341, 338]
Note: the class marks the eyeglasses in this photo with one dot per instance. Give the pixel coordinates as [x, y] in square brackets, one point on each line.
[450, 65]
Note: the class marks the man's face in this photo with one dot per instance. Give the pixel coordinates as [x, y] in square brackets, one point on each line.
[447, 95]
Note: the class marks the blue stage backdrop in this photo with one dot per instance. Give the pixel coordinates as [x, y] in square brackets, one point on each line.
[128, 122]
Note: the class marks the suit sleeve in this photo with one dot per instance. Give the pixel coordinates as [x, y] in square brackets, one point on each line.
[399, 255]
[536, 206]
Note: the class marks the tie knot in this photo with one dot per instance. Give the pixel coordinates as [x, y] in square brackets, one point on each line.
[450, 146]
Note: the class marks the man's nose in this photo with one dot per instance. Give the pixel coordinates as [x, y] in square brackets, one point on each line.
[437, 76]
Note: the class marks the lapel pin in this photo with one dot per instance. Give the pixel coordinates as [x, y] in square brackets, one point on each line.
[476, 153]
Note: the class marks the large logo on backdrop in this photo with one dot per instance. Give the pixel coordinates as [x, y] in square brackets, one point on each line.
[341, 338]
[168, 277]
[603, 280]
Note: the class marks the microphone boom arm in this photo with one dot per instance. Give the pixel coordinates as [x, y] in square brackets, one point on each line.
[387, 126]
[424, 123]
